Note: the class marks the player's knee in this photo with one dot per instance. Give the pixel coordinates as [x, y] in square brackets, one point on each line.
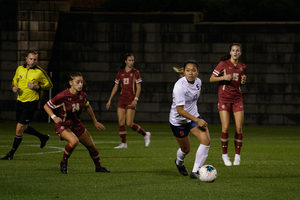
[206, 142]
[129, 124]
[20, 129]
[185, 149]
[74, 142]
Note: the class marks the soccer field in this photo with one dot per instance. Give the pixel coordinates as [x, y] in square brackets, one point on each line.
[270, 166]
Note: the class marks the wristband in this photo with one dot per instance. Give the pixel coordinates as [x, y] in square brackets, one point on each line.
[53, 116]
[136, 98]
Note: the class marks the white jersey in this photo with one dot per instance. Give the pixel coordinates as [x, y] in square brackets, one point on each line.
[185, 94]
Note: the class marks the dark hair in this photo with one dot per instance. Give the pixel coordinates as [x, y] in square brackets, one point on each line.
[75, 74]
[125, 58]
[228, 56]
[181, 70]
[190, 62]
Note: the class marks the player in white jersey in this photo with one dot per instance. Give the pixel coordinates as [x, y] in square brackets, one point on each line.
[184, 118]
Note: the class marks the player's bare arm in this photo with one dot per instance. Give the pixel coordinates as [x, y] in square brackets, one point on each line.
[113, 92]
[90, 112]
[52, 115]
[184, 113]
[214, 78]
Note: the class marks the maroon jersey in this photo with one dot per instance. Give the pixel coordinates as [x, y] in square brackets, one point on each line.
[68, 106]
[230, 91]
[128, 81]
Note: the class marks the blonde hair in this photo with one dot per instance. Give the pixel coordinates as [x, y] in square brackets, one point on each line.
[181, 69]
[32, 52]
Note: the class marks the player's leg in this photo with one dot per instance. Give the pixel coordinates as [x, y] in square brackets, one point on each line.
[185, 147]
[130, 113]
[87, 140]
[17, 141]
[27, 113]
[24, 114]
[122, 129]
[238, 138]
[43, 138]
[202, 151]
[181, 134]
[73, 140]
[225, 120]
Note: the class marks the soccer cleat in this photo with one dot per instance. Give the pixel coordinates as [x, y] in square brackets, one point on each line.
[64, 167]
[7, 157]
[44, 140]
[182, 170]
[121, 146]
[226, 160]
[102, 169]
[237, 160]
[194, 175]
[147, 138]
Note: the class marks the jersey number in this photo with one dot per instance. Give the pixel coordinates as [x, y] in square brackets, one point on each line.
[126, 81]
[75, 107]
[235, 77]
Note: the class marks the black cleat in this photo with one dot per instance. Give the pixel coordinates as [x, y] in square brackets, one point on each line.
[64, 167]
[8, 157]
[182, 169]
[44, 140]
[194, 175]
[102, 169]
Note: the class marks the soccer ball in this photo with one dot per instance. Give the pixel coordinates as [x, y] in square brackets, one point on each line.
[207, 173]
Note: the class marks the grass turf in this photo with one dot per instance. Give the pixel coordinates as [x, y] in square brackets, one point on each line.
[270, 166]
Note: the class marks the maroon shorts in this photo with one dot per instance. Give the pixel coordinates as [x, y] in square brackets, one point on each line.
[125, 103]
[231, 107]
[77, 129]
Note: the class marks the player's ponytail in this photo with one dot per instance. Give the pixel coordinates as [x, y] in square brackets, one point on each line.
[228, 56]
[125, 58]
[181, 69]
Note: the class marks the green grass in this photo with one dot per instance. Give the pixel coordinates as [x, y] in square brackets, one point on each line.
[270, 166]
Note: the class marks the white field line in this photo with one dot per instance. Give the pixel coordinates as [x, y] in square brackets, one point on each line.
[60, 149]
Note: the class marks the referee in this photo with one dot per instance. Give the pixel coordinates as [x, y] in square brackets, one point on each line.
[29, 79]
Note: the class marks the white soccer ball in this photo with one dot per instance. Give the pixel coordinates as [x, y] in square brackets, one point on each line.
[207, 173]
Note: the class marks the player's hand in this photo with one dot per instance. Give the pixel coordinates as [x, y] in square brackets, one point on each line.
[227, 77]
[133, 104]
[108, 105]
[202, 124]
[244, 78]
[33, 85]
[57, 120]
[15, 89]
[99, 126]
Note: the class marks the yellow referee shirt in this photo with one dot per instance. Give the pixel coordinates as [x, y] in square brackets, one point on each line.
[35, 74]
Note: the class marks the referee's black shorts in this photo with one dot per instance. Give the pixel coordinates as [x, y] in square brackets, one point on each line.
[25, 111]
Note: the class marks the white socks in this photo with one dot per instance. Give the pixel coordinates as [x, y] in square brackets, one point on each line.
[201, 156]
[180, 157]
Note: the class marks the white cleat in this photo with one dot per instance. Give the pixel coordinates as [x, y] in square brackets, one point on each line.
[226, 160]
[237, 159]
[147, 138]
[121, 146]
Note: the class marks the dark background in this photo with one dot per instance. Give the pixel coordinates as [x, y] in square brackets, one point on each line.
[93, 36]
